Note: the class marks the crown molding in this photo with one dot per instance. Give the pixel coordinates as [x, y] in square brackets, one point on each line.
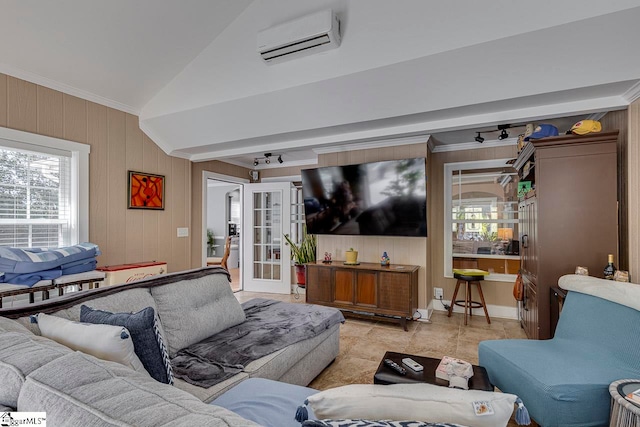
[161, 143]
[390, 142]
[633, 93]
[65, 88]
[431, 145]
[475, 145]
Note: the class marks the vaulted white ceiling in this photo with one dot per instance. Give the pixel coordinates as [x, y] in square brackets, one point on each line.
[190, 68]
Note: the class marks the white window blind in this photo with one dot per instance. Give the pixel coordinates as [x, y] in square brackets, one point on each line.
[35, 199]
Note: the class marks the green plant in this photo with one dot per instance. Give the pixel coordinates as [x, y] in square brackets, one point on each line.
[305, 252]
[210, 237]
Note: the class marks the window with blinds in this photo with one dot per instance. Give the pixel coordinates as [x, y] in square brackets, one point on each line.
[35, 199]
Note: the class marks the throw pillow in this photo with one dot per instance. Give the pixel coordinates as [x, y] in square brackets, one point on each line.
[147, 340]
[105, 342]
[424, 402]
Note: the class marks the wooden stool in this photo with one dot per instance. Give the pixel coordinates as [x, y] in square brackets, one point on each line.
[469, 277]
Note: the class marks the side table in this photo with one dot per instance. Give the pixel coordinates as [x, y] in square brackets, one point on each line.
[623, 412]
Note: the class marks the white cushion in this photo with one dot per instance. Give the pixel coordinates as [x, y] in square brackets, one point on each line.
[105, 342]
[421, 402]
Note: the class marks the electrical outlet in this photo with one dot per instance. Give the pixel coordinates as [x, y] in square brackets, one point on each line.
[438, 293]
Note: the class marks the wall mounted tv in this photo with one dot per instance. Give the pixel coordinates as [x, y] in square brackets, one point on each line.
[376, 199]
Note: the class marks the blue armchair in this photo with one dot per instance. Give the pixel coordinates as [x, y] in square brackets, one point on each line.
[564, 381]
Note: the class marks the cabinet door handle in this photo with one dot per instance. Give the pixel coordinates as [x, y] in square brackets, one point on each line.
[525, 241]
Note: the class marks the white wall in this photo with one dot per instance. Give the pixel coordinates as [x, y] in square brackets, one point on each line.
[216, 210]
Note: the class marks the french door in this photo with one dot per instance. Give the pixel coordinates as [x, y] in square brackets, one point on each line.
[267, 260]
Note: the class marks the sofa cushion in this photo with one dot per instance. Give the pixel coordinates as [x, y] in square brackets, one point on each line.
[15, 365]
[423, 402]
[276, 364]
[9, 325]
[107, 342]
[266, 402]
[208, 394]
[147, 340]
[192, 310]
[89, 391]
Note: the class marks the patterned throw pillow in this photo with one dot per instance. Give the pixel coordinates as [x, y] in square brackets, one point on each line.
[367, 423]
[147, 340]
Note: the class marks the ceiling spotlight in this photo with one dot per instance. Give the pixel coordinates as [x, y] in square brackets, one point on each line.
[255, 162]
[479, 138]
[267, 160]
[503, 135]
[280, 159]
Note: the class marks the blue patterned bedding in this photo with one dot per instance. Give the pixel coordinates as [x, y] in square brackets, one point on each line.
[27, 266]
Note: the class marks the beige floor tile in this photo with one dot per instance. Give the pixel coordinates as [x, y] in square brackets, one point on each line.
[515, 333]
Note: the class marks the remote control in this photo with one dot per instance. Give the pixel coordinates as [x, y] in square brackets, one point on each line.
[393, 365]
[412, 364]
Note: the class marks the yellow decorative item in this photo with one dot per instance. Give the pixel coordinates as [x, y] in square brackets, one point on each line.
[584, 127]
[352, 257]
[470, 272]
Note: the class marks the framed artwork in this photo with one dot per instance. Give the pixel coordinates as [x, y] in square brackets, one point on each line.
[146, 191]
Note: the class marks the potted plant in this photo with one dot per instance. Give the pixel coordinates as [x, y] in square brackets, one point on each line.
[302, 253]
[352, 256]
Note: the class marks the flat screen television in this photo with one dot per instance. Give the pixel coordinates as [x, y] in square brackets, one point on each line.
[376, 199]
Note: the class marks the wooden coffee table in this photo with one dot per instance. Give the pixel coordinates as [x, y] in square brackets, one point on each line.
[386, 375]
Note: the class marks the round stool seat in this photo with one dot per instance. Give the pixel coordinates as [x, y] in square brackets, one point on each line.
[468, 278]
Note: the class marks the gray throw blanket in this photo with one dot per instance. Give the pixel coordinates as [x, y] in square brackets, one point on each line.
[270, 326]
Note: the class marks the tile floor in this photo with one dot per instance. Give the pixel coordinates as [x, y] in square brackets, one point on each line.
[363, 343]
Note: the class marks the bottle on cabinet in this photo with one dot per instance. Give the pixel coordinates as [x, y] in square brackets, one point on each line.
[609, 269]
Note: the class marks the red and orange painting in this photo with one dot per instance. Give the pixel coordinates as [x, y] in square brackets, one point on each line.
[146, 191]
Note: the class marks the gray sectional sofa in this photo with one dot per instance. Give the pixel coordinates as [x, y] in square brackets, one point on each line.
[39, 374]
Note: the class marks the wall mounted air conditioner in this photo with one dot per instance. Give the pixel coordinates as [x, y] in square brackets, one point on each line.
[304, 36]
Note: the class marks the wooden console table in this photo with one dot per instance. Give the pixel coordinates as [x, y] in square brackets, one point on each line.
[366, 289]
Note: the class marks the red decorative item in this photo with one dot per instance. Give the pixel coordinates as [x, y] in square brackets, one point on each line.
[300, 275]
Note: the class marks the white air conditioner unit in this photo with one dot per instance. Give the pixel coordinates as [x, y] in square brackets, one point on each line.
[304, 36]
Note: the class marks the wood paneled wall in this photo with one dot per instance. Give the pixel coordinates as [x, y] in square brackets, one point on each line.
[117, 145]
[401, 250]
[285, 171]
[633, 189]
[618, 120]
[197, 169]
[495, 293]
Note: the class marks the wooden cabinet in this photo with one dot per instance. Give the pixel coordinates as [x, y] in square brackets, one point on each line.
[529, 309]
[387, 291]
[569, 218]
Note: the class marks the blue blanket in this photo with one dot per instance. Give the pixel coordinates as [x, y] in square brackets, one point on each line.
[30, 260]
[27, 266]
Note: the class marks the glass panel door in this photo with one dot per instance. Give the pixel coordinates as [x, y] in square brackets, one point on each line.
[267, 213]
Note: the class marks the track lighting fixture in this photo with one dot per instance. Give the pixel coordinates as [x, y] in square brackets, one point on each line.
[503, 135]
[267, 159]
[479, 138]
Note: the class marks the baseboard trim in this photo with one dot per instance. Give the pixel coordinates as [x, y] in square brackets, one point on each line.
[425, 315]
[498, 311]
